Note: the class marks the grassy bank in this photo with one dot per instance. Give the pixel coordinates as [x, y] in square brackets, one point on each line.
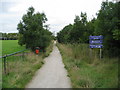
[86, 70]
[21, 69]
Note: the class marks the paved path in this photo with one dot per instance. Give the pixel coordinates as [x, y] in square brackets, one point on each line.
[52, 74]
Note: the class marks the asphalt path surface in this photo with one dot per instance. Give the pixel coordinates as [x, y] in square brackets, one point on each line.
[52, 74]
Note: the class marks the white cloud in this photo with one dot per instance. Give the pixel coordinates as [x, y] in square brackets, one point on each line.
[58, 12]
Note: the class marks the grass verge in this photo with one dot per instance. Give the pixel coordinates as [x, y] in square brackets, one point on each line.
[87, 71]
[21, 69]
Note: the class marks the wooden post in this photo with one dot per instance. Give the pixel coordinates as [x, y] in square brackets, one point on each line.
[5, 65]
[90, 52]
[100, 53]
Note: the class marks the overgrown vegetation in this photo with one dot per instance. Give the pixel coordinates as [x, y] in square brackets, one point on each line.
[107, 24]
[86, 70]
[21, 69]
[33, 31]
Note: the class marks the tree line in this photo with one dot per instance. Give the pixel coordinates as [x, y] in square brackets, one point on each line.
[107, 23]
[9, 36]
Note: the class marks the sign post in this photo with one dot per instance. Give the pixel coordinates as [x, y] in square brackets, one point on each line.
[100, 53]
[96, 42]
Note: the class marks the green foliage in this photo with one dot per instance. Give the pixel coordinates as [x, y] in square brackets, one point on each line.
[64, 35]
[78, 29]
[107, 24]
[32, 31]
[75, 33]
[116, 34]
[9, 36]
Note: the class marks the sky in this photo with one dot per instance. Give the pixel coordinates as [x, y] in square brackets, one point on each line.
[58, 12]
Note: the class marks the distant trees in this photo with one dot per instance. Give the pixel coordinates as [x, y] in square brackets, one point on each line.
[32, 31]
[9, 36]
[107, 24]
[64, 35]
[78, 32]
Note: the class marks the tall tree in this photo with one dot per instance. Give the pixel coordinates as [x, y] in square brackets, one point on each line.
[32, 32]
[77, 33]
[107, 24]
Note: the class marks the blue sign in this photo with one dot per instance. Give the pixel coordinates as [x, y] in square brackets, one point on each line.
[96, 41]
[96, 46]
[96, 37]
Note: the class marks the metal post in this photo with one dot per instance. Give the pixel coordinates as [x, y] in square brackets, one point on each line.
[100, 53]
[5, 65]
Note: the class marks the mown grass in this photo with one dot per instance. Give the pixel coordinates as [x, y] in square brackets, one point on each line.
[21, 69]
[86, 70]
[10, 46]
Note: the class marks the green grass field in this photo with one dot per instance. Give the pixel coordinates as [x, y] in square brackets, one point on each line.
[87, 71]
[11, 46]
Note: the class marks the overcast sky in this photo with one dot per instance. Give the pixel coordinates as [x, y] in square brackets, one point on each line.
[58, 12]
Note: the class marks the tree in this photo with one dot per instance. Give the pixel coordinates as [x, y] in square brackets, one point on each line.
[64, 35]
[76, 33]
[79, 31]
[32, 32]
[107, 24]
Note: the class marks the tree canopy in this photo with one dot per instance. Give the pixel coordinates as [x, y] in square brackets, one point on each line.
[32, 31]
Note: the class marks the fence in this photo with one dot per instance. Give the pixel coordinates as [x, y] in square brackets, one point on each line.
[4, 58]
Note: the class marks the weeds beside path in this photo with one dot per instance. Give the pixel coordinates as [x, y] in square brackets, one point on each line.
[21, 70]
[89, 72]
